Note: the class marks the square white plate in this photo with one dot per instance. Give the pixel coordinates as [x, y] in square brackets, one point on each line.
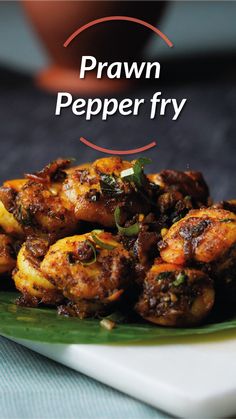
[187, 379]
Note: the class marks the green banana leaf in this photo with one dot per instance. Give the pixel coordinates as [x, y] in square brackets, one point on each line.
[45, 325]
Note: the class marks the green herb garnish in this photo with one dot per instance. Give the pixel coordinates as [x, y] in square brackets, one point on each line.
[72, 259]
[94, 259]
[135, 174]
[99, 242]
[180, 279]
[109, 185]
[132, 230]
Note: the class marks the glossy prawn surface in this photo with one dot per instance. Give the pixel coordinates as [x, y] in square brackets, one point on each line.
[203, 235]
[94, 191]
[8, 223]
[33, 205]
[15, 184]
[8, 192]
[39, 208]
[53, 200]
[7, 254]
[175, 296]
[87, 273]
[31, 282]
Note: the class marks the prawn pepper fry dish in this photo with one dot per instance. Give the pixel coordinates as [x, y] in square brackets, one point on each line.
[91, 239]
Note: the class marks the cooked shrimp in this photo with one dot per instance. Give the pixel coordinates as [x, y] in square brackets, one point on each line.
[7, 254]
[38, 208]
[94, 191]
[15, 184]
[91, 270]
[175, 296]
[8, 223]
[8, 194]
[29, 279]
[34, 205]
[202, 235]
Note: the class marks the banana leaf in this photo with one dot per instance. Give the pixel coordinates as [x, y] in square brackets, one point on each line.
[45, 325]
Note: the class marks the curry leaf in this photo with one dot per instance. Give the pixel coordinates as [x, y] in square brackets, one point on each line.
[109, 185]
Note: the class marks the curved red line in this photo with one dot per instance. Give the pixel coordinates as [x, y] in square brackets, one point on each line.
[108, 151]
[109, 18]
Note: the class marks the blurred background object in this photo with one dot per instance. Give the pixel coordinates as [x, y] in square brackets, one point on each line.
[110, 41]
[195, 27]
[200, 67]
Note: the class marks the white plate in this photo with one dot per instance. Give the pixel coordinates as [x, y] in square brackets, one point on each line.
[187, 379]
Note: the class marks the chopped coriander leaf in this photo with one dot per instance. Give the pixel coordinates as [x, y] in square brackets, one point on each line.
[143, 161]
[135, 174]
[180, 279]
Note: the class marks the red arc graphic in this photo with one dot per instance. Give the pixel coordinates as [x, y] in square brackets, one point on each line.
[108, 19]
[109, 151]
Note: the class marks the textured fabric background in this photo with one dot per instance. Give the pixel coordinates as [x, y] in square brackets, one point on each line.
[33, 387]
[202, 139]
